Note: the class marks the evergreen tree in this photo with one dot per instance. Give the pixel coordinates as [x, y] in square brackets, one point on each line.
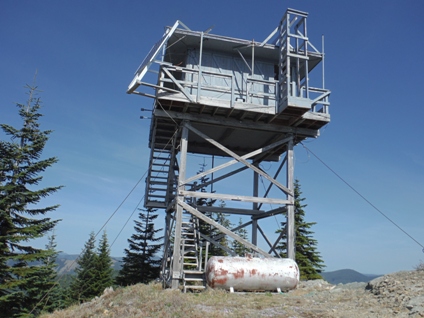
[43, 292]
[53, 297]
[94, 272]
[83, 286]
[140, 263]
[104, 270]
[239, 248]
[221, 218]
[307, 257]
[22, 218]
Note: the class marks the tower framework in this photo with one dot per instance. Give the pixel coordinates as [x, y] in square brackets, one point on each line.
[250, 102]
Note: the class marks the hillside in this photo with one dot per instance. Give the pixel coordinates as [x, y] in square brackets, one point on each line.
[396, 295]
[345, 276]
[67, 263]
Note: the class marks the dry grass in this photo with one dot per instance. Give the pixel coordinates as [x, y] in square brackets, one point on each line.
[420, 266]
[152, 301]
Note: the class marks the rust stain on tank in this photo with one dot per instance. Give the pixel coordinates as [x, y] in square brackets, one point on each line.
[219, 281]
[220, 261]
[221, 272]
[253, 272]
[239, 274]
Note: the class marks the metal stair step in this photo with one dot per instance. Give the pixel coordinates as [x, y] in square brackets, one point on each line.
[188, 252]
[194, 279]
[158, 182]
[159, 171]
[159, 177]
[156, 196]
[193, 272]
[159, 165]
[197, 287]
[157, 189]
[160, 158]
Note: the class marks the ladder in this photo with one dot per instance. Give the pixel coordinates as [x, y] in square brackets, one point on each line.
[193, 275]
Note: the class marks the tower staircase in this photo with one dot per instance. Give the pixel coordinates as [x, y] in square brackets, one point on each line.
[191, 250]
[163, 168]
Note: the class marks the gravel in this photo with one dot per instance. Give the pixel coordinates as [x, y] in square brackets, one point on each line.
[395, 295]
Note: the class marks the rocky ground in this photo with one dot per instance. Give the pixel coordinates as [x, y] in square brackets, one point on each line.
[395, 295]
[399, 294]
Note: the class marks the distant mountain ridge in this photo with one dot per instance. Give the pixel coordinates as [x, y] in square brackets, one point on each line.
[344, 276]
[66, 263]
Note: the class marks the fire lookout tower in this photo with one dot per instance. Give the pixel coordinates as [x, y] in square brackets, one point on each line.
[247, 101]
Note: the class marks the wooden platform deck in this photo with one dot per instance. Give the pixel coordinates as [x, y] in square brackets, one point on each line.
[242, 128]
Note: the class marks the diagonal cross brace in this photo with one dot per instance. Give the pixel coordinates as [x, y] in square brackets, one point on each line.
[178, 85]
[223, 229]
[234, 161]
[240, 159]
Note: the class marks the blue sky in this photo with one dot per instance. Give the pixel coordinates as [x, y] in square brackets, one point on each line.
[86, 53]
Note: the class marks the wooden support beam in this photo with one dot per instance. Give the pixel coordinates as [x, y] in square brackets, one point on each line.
[234, 161]
[255, 205]
[205, 184]
[226, 134]
[240, 159]
[232, 122]
[270, 213]
[178, 85]
[268, 242]
[275, 177]
[219, 236]
[221, 228]
[227, 210]
[277, 240]
[257, 117]
[176, 265]
[230, 197]
[210, 240]
[290, 208]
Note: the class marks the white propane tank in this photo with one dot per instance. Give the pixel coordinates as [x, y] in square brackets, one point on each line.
[251, 273]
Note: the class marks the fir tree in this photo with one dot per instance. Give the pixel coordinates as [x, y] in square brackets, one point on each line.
[83, 286]
[140, 263]
[53, 297]
[43, 292]
[22, 218]
[307, 257]
[94, 272]
[206, 228]
[239, 248]
[104, 270]
[222, 219]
